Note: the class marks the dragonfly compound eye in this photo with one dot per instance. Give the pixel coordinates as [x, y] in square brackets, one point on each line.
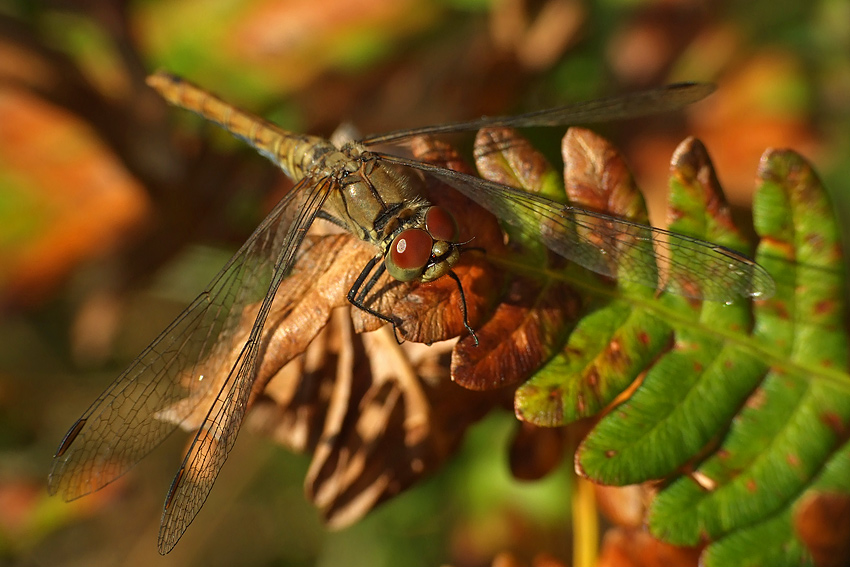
[409, 253]
[441, 224]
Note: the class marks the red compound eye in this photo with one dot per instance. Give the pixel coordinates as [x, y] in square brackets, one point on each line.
[441, 224]
[409, 253]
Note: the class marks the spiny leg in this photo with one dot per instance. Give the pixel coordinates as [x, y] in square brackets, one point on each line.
[356, 296]
[358, 292]
[463, 311]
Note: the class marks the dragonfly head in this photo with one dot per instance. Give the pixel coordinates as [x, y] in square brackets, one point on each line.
[425, 254]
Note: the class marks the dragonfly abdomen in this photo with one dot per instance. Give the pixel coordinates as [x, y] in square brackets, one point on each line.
[295, 154]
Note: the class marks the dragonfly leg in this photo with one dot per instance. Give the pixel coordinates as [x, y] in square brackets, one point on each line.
[453, 275]
[358, 292]
[322, 214]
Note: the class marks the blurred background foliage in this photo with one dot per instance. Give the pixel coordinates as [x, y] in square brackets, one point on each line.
[105, 233]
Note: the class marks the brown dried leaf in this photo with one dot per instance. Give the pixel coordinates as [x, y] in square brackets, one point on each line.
[504, 156]
[539, 43]
[596, 176]
[383, 416]
[293, 406]
[319, 282]
[537, 451]
[624, 506]
[822, 521]
[68, 198]
[431, 312]
[378, 416]
[636, 548]
[521, 335]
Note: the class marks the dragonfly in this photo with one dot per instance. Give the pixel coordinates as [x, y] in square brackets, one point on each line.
[375, 196]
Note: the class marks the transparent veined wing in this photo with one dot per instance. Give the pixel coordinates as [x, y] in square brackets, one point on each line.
[643, 103]
[612, 246]
[163, 386]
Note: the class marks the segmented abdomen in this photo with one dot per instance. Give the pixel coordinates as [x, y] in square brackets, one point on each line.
[293, 153]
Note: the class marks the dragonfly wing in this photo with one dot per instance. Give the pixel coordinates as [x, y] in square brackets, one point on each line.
[127, 421]
[612, 246]
[217, 434]
[653, 101]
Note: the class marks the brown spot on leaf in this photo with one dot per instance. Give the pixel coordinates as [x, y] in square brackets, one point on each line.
[591, 377]
[825, 306]
[836, 423]
[554, 408]
[581, 403]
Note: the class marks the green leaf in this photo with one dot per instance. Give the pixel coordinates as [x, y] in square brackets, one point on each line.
[742, 407]
[798, 417]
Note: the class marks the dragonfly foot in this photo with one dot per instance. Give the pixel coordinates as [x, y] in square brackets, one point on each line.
[398, 338]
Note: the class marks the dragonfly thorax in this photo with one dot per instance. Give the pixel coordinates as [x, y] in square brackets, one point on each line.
[383, 204]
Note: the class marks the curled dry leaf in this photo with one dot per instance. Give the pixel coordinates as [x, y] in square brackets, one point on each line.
[378, 416]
